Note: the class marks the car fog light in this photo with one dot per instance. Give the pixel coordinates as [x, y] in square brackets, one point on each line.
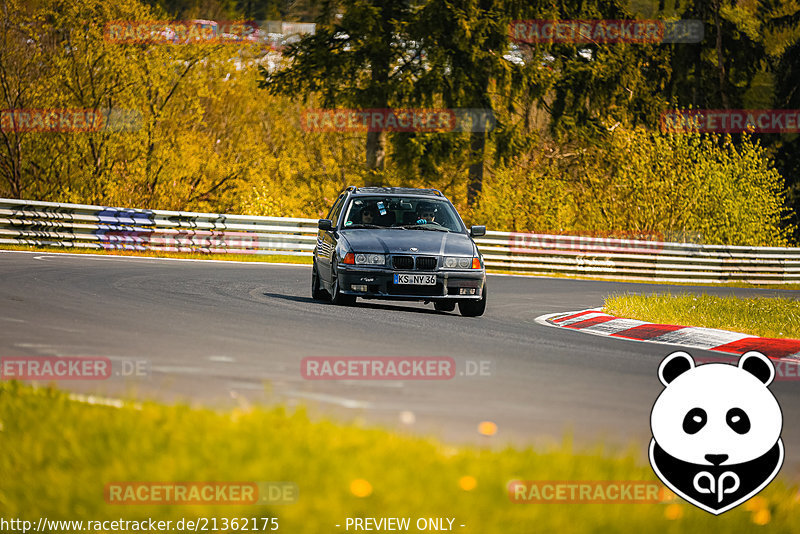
[467, 291]
[359, 287]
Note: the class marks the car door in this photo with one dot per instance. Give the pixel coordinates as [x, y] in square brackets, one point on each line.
[326, 241]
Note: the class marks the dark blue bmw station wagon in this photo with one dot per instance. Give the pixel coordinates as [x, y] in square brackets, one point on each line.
[398, 244]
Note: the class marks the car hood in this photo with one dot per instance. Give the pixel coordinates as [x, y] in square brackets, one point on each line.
[402, 241]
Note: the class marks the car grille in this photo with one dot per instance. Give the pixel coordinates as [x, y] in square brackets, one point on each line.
[426, 263]
[403, 262]
[422, 263]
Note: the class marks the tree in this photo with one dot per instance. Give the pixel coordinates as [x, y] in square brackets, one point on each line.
[356, 58]
[25, 82]
[464, 44]
[787, 96]
[583, 88]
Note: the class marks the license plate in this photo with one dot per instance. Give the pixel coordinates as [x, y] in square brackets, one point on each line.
[415, 279]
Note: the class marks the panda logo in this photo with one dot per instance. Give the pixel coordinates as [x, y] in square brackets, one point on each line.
[716, 430]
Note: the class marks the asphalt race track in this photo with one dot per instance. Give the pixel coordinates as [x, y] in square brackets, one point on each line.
[222, 333]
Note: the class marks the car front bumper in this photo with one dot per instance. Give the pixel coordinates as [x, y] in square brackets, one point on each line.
[380, 284]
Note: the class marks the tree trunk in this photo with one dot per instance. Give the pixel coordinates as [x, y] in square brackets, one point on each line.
[376, 153]
[477, 144]
[477, 141]
[720, 59]
[380, 63]
[698, 96]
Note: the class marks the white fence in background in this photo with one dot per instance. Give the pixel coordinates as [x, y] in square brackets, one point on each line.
[25, 222]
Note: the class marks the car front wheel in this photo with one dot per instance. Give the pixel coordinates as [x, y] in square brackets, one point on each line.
[336, 295]
[444, 305]
[473, 308]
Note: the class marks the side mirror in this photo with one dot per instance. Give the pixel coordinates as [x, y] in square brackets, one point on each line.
[325, 224]
[477, 231]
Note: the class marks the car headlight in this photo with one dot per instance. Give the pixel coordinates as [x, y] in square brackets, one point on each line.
[460, 262]
[370, 259]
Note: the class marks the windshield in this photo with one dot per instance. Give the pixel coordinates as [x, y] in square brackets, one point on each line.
[402, 212]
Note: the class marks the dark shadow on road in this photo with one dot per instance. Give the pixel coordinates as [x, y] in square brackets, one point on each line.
[293, 298]
[359, 304]
[393, 307]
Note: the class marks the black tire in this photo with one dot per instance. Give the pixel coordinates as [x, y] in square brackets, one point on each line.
[336, 296]
[444, 305]
[473, 308]
[317, 293]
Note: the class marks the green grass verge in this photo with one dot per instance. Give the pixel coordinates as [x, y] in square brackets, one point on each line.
[762, 316]
[57, 455]
[269, 258]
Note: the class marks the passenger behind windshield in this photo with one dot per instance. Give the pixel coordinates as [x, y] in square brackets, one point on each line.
[367, 216]
[364, 214]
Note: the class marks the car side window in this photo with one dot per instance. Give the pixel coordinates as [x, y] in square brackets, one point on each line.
[336, 210]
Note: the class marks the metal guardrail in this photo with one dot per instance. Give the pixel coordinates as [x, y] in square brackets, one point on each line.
[639, 260]
[73, 225]
[95, 227]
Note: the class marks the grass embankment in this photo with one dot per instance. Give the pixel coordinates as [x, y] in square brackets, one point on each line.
[760, 316]
[57, 455]
[268, 258]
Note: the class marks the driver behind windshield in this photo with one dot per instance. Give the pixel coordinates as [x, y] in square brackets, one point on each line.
[425, 213]
[367, 216]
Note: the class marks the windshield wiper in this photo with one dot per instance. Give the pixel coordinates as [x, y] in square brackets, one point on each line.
[362, 225]
[425, 227]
